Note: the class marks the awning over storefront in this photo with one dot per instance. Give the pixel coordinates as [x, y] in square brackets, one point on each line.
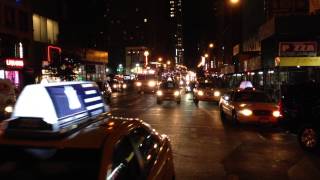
[299, 61]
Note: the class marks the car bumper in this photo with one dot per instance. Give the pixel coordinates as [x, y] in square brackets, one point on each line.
[257, 119]
[169, 98]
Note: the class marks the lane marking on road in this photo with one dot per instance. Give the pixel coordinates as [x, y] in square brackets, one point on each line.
[262, 137]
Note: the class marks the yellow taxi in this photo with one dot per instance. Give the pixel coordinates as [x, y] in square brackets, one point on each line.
[68, 132]
[249, 106]
[207, 91]
[168, 91]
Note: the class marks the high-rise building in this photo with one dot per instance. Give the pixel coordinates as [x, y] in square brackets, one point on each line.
[137, 24]
[275, 8]
[176, 15]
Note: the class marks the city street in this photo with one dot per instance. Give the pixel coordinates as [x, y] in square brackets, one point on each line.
[205, 147]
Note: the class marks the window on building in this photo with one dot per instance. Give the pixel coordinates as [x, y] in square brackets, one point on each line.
[45, 30]
[23, 21]
[9, 17]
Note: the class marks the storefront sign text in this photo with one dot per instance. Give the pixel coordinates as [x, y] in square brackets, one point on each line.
[17, 63]
[298, 49]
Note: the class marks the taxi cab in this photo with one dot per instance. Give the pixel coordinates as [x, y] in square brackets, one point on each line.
[69, 133]
[168, 91]
[249, 106]
[207, 91]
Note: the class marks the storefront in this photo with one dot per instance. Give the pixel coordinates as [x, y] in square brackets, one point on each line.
[92, 72]
[92, 65]
[11, 69]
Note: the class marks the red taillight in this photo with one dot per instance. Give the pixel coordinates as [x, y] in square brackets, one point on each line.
[280, 104]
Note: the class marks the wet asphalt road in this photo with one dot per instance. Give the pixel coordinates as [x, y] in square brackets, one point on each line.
[205, 147]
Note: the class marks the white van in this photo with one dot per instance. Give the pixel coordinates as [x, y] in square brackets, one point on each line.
[7, 97]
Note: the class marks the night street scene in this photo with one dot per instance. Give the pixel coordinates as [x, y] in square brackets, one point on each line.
[159, 89]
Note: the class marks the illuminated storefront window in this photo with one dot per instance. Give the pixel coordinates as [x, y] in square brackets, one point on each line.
[2, 74]
[13, 76]
[45, 30]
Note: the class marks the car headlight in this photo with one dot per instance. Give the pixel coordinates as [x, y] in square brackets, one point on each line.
[276, 114]
[8, 109]
[200, 93]
[151, 83]
[246, 112]
[181, 82]
[114, 86]
[124, 86]
[159, 93]
[176, 93]
[217, 93]
[138, 84]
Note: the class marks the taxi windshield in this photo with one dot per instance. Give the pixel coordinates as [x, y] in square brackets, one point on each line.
[168, 85]
[250, 96]
[49, 164]
[206, 85]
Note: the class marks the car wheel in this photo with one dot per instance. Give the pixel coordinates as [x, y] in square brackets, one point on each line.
[234, 117]
[196, 101]
[308, 138]
[222, 115]
[159, 101]
[178, 102]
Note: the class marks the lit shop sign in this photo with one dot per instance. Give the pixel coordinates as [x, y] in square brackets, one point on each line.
[54, 53]
[298, 49]
[17, 63]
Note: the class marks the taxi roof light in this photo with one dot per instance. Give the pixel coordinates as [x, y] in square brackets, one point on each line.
[62, 106]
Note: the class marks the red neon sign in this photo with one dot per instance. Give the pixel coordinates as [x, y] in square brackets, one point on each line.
[18, 63]
[49, 51]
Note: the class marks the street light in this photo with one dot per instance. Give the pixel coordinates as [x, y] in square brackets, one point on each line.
[168, 62]
[211, 45]
[234, 1]
[206, 55]
[160, 59]
[146, 54]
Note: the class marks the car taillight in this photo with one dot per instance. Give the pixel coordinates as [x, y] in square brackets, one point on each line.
[280, 104]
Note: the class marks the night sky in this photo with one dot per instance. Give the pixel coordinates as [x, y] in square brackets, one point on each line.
[198, 22]
[198, 28]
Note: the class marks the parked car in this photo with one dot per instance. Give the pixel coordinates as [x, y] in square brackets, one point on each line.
[66, 131]
[300, 109]
[7, 98]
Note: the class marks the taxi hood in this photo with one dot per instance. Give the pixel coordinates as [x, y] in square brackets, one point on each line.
[257, 105]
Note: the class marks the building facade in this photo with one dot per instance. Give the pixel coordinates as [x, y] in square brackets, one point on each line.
[176, 18]
[15, 41]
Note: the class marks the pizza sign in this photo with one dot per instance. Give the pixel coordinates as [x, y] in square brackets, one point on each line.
[298, 49]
